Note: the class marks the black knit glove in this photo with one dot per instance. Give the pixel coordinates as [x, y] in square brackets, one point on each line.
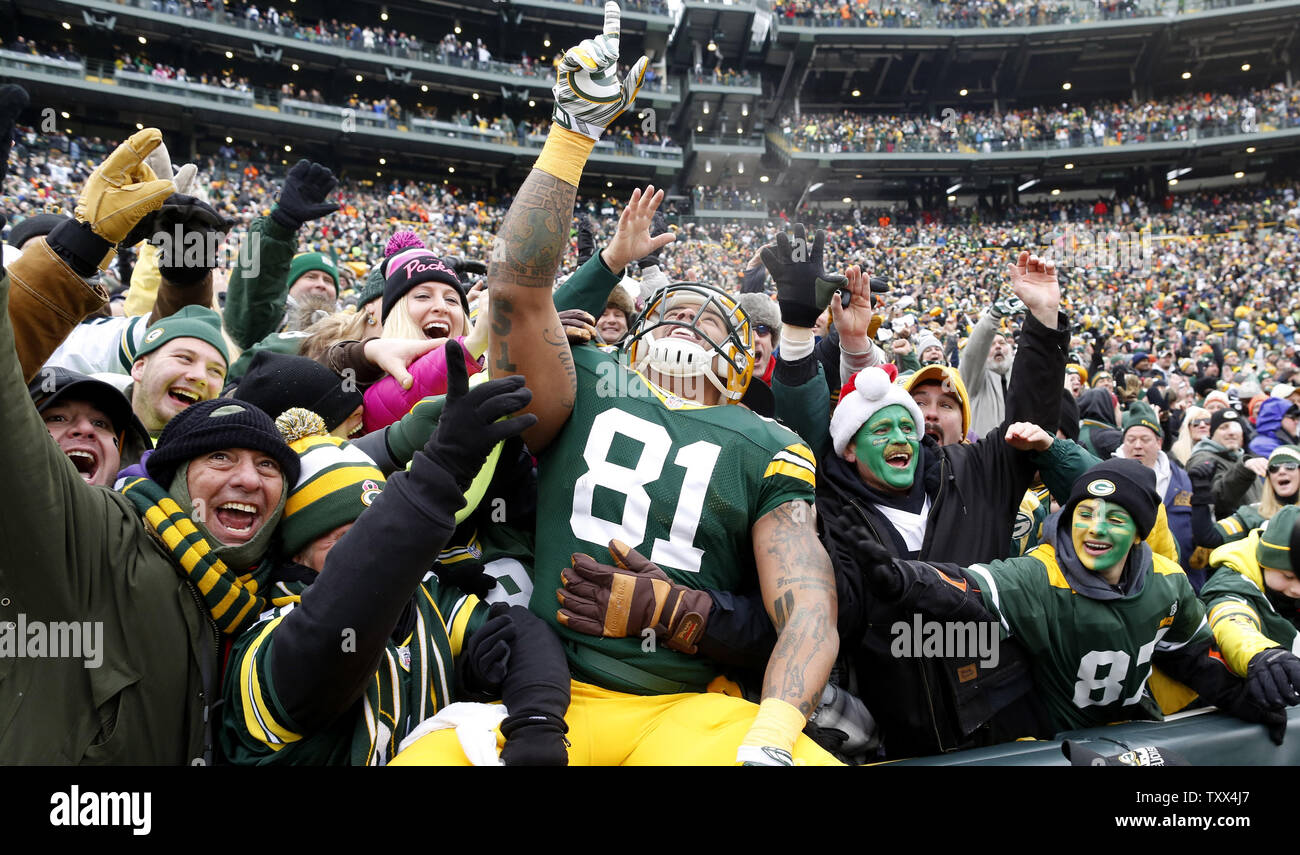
[13, 100]
[469, 426]
[1273, 678]
[303, 196]
[535, 740]
[486, 658]
[803, 288]
[1202, 477]
[187, 260]
[586, 239]
[879, 571]
[658, 226]
[468, 575]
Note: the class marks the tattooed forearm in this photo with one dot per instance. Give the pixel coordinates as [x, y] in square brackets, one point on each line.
[502, 309]
[533, 235]
[524, 325]
[798, 584]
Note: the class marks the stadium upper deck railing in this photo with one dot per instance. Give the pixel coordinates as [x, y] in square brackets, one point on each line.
[269, 102]
[891, 14]
[410, 48]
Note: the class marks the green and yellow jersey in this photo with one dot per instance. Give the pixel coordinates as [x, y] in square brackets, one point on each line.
[414, 680]
[1092, 658]
[683, 484]
[1243, 617]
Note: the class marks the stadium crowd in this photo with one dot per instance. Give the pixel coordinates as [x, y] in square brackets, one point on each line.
[431, 451]
[951, 13]
[1063, 126]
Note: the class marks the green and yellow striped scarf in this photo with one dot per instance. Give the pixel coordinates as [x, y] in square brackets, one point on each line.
[232, 599]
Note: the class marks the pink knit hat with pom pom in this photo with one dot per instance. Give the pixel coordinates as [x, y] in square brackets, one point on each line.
[408, 263]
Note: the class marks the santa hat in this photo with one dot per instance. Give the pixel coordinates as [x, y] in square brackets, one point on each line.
[866, 393]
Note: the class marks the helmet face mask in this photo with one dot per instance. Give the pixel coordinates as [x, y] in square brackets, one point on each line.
[726, 356]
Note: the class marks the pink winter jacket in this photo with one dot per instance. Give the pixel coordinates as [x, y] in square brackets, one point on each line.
[386, 401]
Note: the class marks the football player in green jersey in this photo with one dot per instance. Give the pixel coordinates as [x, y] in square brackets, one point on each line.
[660, 461]
[1093, 606]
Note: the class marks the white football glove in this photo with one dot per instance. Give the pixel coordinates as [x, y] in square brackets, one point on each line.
[588, 94]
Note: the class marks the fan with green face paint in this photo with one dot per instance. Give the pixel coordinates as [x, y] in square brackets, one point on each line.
[1103, 533]
[886, 449]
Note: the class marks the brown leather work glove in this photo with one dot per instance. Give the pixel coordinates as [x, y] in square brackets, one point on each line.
[625, 599]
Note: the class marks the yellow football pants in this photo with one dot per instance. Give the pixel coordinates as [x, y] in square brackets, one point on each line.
[615, 729]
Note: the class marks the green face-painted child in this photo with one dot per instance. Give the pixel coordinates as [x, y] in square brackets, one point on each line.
[886, 449]
[1103, 533]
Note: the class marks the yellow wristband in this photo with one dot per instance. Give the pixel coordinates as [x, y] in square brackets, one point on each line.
[564, 154]
[778, 725]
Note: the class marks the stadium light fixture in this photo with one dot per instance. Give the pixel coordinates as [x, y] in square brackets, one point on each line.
[139, 127]
[763, 179]
[963, 92]
[712, 46]
[1173, 182]
[740, 130]
[1056, 191]
[142, 40]
[546, 40]
[379, 175]
[1238, 175]
[1187, 75]
[475, 96]
[288, 148]
[1250, 149]
[609, 183]
[451, 169]
[456, 29]
[952, 198]
[1067, 86]
[230, 54]
[383, 161]
[65, 114]
[858, 175]
[708, 166]
[1245, 66]
[699, 129]
[66, 25]
[383, 16]
[359, 78]
[740, 168]
[1030, 183]
[424, 87]
[229, 140]
[953, 189]
[1177, 173]
[706, 108]
[1069, 166]
[294, 66]
[857, 93]
[846, 200]
[532, 103]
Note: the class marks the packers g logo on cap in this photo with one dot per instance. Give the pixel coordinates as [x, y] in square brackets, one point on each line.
[153, 335]
[369, 492]
[1101, 487]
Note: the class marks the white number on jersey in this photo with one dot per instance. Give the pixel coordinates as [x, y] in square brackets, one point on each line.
[698, 459]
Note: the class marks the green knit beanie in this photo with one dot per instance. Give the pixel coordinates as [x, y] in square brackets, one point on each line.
[373, 289]
[1278, 540]
[337, 481]
[306, 262]
[1141, 415]
[190, 322]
